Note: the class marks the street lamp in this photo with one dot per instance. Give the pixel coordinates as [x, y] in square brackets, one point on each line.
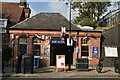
[69, 40]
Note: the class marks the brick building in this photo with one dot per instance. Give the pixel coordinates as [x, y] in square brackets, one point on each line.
[33, 36]
[13, 13]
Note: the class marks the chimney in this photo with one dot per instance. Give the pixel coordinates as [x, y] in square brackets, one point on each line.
[27, 12]
[23, 3]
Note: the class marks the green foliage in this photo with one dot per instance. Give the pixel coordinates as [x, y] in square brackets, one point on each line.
[89, 12]
[6, 53]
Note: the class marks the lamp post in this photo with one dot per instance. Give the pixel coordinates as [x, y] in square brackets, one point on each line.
[69, 39]
[69, 64]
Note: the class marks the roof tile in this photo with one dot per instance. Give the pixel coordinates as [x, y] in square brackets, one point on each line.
[51, 21]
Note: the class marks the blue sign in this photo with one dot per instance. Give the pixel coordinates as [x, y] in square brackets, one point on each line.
[77, 50]
[75, 42]
[94, 51]
[57, 41]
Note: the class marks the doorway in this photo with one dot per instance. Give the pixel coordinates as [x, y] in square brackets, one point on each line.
[59, 49]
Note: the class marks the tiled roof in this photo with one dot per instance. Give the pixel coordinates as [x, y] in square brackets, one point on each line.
[12, 12]
[46, 21]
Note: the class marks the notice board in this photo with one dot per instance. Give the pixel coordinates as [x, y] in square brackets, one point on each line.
[60, 61]
[111, 52]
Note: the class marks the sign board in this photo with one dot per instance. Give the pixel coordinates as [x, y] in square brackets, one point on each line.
[57, 41]
[60, 61]
[94, 51]
[78, 50]
[69, 42]
[3, 30]
[111, 52]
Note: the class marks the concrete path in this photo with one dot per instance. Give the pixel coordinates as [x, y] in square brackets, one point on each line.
[47, 72]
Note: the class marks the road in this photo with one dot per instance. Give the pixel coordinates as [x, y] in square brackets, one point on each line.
[60, 78]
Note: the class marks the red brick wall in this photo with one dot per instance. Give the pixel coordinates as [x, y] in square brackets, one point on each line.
[94, 41]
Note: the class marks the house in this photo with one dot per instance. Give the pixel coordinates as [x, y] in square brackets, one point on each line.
[34, 35]
[13, 13]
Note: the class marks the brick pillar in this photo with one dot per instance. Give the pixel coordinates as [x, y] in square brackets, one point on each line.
[79, 45]
[16, 46]
[29, 45]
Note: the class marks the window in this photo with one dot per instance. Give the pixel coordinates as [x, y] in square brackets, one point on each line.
[36, 46]
[85, 41]
[85, 51]
[36, 40]
[22, 45]
[22, 40]
[85, 47]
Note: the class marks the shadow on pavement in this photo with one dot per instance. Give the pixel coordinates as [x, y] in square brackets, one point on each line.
[105, 71]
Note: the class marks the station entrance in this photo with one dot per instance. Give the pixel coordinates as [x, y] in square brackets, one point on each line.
[60, 49]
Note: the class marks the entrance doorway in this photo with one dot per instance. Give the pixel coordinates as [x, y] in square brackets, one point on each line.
[59, 49]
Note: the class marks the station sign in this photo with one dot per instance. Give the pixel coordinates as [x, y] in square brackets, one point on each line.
[57, 41]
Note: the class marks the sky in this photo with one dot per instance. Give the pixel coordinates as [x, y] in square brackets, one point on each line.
[49, 6]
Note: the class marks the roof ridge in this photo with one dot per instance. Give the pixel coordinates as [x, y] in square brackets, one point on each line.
[49, 13]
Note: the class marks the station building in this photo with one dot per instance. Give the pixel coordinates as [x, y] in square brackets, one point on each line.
[34, 35]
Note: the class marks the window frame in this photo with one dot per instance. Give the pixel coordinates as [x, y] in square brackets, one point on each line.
[36, 44]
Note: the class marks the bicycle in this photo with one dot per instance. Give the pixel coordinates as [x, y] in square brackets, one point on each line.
[116, 66]
[99, 66]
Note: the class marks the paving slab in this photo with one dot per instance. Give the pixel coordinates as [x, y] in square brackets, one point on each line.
[47, 72]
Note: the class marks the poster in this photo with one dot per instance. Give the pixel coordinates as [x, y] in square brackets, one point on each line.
[111, 52]
[94, 51]
[60, 61]
[46, 50]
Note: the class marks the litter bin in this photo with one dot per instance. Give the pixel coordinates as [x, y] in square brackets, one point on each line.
[28, 63]
[36, 61]
[18, 64]
[82, 64]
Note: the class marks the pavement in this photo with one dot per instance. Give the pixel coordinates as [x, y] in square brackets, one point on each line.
[48, 72]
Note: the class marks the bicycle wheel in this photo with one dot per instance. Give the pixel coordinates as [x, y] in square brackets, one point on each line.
[99, 68]
[116, 69]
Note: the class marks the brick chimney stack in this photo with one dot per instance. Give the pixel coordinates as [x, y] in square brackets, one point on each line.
[23, 3]
[27, 11]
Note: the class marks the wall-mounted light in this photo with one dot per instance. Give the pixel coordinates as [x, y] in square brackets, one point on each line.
[63, 31]
[85, 37]
[39, 37]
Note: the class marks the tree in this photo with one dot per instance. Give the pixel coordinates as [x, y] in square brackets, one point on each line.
[89, 12]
